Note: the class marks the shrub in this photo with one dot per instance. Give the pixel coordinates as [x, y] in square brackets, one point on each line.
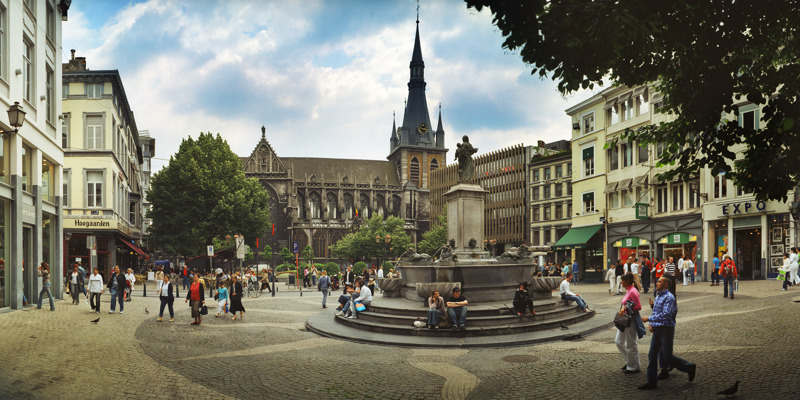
[331, 268]
[359, 268]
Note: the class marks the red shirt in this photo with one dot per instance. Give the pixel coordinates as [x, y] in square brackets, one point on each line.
[185, 272]
[195, 291]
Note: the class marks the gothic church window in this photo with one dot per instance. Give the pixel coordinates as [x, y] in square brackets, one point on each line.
[414, 171]
[316, 206]
[333, 208]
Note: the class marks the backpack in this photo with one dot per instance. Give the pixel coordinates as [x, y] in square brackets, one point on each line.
[727, 268]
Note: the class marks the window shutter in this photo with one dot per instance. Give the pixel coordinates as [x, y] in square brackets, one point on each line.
[588, 153]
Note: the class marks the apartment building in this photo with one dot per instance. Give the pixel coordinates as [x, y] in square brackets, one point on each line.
[550, 195]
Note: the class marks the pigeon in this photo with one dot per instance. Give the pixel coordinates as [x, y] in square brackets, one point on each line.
[96, 321]
[731, 391]
[564, 326]
[146, 311]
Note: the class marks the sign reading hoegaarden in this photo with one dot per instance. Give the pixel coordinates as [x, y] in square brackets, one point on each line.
[77, 223]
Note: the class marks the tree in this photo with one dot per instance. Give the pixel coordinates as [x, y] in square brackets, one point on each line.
[435, 238]
[286, 255]
[203, 194]
[307, 254]
[361, 244]
[706, 58]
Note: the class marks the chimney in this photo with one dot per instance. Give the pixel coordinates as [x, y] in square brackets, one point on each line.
[73, 53]
[540, 144]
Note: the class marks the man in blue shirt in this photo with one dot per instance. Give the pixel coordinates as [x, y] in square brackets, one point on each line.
[575, 271]
[662, 325]
[715, 274]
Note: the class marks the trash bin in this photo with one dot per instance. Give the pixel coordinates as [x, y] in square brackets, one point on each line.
[291, 280]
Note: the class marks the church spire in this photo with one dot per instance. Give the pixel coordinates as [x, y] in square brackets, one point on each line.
[393, 138]
[440, 130]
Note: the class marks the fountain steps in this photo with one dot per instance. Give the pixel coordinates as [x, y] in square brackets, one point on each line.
[475, 310]
[476, 321]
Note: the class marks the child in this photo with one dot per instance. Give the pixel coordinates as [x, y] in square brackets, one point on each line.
[222, 296]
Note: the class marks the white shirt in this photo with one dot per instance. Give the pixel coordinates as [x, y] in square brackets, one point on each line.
[380, 273]
[564, 288]
[74, 280]
[634, 268]
[688, 265]
[365, 294]
[625, 269]
[680, 264]
[95, 283]
[131, 278]
[793, 258]
[165, 289]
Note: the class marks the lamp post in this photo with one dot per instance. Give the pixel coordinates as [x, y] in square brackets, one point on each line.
[16, 117]
[492, 243]
[387, 241]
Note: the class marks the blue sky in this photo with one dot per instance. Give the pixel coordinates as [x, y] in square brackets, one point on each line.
[324, 77]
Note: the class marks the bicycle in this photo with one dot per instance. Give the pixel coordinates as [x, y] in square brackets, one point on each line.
[253, 289]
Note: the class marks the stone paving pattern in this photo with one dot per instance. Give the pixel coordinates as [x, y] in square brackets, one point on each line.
[61, 355]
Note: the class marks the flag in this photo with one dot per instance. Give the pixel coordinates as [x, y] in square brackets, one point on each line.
[273, 229]
[356, 212]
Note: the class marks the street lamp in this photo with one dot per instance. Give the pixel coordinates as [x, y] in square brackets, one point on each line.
[16, 117]
[387, 240]
[492, 243]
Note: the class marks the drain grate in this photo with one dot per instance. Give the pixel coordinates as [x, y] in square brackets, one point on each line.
[520, 358]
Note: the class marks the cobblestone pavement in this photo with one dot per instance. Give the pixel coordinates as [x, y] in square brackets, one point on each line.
[61, 355]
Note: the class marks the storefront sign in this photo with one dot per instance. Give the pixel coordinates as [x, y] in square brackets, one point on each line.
[95, 224]
[642, 210]
[743, 208]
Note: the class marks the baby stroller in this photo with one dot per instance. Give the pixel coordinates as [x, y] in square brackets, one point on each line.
[335, 283]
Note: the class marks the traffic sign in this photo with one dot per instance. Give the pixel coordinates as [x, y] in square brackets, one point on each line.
[210, 250]
[295, 248]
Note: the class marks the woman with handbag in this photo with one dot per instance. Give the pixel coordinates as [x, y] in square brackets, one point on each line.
[196, 294]
[236, 298]
[626, 339]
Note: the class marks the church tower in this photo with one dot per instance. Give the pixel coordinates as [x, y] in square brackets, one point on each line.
[415, 148]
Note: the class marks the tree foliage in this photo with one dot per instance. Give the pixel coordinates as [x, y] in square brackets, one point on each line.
[706, 58]
[286, 255]
[435, 238]
[361, 244]
[203, 194]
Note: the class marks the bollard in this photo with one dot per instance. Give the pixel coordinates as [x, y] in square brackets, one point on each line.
[144, 289]
[177, 295]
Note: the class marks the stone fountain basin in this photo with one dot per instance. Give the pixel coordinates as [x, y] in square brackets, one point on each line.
[480, 282]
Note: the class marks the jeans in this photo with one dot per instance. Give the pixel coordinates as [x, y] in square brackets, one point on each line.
[95, 301]
[646, 284]
[324, 296]
[728, 282]
[313, 280]
[164, 302]
[661, 348]
[350, 308]
[74, 291]
[715, 276]
[575, 277]
[118, 294]
[458, 315]
[577, 299]
[434, 316]
[46, 289]
[185, 282]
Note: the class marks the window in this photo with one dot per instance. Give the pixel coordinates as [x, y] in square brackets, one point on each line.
[94, 189]
[659, 149]
[316, 206]
[51, 94]
[627, 154]
[546, 236]
[588, 123]
[26, 168]
[2, 41]
[643, 154]
[612, 115]
[627, 198]
[588, 161]
[30, 5]
[547, 191]
[748, 119]
[27, 71]
[535, 239]
[535, 175]
[535, 213]
[569, 169]
[414, 171]
[535, 194]
[559, 190]
[94, 132]
[546, 173]
[569, 210]
[48, 181]
[434, 165]
[613, 158]
[661, 196]
[547, 212]
[64, 91]
[569, 188]
[65, 187]
[627, 108]
[677, 197]
[613, 199]
[643, 103]
[694, 194]
[720, 186]
[65, 131]
[559, 211]
[559, 171]
[51, 23]
[94, 90]
[588, 202]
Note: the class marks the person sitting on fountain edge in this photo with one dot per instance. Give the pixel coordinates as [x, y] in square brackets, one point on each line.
[567, 295]
[523, 300]
[436, 310]
[344, 298]
[364, 297]
[457, 309]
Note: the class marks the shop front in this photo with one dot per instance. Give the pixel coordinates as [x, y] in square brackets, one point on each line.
[631, 247]
[587, 243]
[101, 244]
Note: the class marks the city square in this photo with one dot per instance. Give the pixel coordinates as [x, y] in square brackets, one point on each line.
[269, 354]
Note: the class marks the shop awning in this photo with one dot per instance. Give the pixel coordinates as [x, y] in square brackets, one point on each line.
[576, 238]
[631, 242]
[136, 249]
[611, 187]
[625, 184]
[677, 238]
[642, 180]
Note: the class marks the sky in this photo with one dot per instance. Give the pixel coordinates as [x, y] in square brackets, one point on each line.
[324, 77]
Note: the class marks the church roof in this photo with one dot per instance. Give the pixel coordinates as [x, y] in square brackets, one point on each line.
[335, 169]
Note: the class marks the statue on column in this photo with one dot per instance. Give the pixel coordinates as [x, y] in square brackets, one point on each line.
[464, 152]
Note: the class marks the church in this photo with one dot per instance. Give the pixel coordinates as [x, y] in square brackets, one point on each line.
[317, 201]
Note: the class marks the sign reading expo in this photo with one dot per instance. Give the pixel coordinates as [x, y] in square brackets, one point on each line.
[742, 208]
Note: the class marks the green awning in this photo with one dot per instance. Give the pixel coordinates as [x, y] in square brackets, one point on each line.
[677, 238]
[576, 238]
[631, 242]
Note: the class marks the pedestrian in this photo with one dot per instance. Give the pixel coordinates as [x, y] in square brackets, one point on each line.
[306, 282]
[784, 272]
[729, 274]
[688, 265]
[373, 274]
[185, 274]
[222, 299]
[324, 287]
[265, 280]
[313, 275]
[197, 295]
[76, 279]
[131, 278]
[349, 278]
[95, 289]
[685, 265]
[83, 285]
[236, 298]
[565, 268]
[619, 270]
[116, 284]
[669, 272]
[681, 274]
[715, 273]
[611, 278]
[576, 271]
[167, 299]
[627, 340]
[436, 310]
[523, 300]
[380, 278]
[647, 270]
[634, 270]
[568, 296]
[662, 325]
[44, 272]
[659, 269]
[793, 266]
[159, 279]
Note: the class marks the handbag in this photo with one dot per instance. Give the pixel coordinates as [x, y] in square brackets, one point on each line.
[360, 306]
[622, 322]
[204, 310]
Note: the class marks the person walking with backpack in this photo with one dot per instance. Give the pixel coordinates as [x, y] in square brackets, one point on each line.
[729, 273]
[324, 285]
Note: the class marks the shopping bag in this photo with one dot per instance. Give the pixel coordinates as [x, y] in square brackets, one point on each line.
[360, 307]
[781, 275]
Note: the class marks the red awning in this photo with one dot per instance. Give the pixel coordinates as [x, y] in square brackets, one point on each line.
[136, 249]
